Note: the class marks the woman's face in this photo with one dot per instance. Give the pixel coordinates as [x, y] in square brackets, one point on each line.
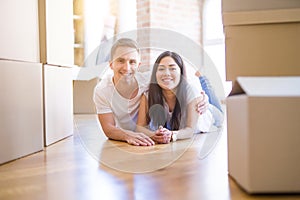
[168, 73]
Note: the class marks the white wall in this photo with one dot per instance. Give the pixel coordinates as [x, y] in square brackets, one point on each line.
[214, 46]
[94, 15]
[127, 15]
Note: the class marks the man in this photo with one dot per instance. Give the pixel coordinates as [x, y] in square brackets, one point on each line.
[117, 98]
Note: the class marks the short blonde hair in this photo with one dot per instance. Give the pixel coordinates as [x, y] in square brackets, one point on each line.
[123, 42]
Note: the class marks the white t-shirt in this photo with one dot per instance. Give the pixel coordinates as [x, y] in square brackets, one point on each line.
[125, 111]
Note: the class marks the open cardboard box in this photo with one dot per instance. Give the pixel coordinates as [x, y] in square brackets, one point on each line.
[83, 96]
[263, 116]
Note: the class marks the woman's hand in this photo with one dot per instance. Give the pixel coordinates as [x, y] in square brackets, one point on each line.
[162, 136]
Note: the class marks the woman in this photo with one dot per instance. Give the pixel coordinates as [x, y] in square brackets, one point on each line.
[167, 112]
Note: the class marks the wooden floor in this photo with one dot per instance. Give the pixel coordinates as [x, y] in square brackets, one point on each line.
[88, 166]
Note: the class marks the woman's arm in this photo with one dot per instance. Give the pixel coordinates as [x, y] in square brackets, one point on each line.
[191, 121]
[162, 135]
[187, 132]
[142, 121]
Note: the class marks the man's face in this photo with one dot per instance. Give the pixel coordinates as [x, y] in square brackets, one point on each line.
[124, 63]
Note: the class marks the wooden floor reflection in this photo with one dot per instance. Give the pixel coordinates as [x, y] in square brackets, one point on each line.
[88, 166]
[127, 158]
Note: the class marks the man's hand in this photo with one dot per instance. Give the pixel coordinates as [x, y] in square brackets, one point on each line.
[202, 105]
[139, 139]
[108, 125]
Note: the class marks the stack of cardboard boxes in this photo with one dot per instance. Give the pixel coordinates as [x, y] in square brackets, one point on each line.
[56, 34]
[36, 54]
[263, 109]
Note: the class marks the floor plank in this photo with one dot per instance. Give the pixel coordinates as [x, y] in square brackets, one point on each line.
[88, 166]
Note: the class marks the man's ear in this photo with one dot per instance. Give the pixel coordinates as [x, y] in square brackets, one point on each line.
[110, 64]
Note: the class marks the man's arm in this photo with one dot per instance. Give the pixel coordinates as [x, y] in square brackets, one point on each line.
[202, 105]
[108, 125]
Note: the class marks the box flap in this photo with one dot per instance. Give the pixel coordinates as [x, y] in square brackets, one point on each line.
[248, 5]
[261, 17]
[267, 86]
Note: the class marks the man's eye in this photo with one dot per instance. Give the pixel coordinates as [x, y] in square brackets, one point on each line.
[161, 69]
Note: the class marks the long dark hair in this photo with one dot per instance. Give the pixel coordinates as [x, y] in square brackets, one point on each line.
[156, 97]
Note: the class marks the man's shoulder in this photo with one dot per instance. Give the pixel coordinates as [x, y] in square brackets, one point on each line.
[105, 84]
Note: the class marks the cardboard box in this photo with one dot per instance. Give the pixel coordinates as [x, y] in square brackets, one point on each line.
[83, 96]
[56, 32]
[262, 42]
[85, 80]
[236, 5]
[263, 134]
[58, 91]
[21, 108]
[19, 35]
[37, 31]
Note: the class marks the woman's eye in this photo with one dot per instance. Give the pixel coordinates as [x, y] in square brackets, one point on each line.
[132, 62]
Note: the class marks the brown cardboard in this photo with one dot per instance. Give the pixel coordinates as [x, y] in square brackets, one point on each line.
[21, 108]
[236, 5]
[263, 134]
[83, 96]
[262, 43]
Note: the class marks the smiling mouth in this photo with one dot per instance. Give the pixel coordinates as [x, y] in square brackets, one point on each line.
[166, 80]
[126, 73]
